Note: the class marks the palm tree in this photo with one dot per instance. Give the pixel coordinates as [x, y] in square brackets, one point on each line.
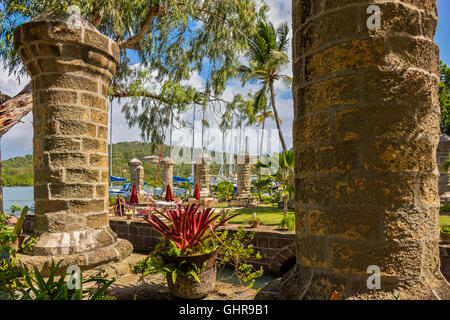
[266, 58]
[261, 120]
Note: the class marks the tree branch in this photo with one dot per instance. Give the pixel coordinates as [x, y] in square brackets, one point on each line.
[132, 42]
[14, 109]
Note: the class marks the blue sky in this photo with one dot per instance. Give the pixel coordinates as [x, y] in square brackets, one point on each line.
[18, 141]
[442, 37]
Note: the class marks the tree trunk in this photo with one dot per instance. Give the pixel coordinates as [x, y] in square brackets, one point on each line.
[277, 118]
[285, 203]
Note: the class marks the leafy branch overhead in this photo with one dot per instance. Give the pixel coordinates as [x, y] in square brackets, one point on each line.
[171, 40]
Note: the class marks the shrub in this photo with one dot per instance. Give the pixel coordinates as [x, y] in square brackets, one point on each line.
[445, 208]
[223, 190]
[288, 222]
[267, 199]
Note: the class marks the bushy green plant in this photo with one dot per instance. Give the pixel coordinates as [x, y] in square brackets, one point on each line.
[112, 200]
[223, 190]
[262, 185]
[267, 199]
[445, 228]
[288, 222]
[51, 288]
[14, 208]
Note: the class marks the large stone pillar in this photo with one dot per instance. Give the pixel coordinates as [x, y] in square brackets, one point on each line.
[137, 175]
[71, 70]
[244, 197]
[366, 129]
[201, 175]
[167, 174]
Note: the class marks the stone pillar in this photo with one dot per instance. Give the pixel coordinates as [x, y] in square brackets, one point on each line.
[366, 129]
[443, 153]
[201, 175]
[167, 174]
[71, 70]
[137, 175]
[244, 197]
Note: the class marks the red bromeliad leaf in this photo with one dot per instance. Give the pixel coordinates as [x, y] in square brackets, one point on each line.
[169, 194]
[187, 227]
[196, 192]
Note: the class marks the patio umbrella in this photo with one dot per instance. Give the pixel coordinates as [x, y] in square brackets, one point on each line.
[134, 197]
[196, 193]
[169, 194]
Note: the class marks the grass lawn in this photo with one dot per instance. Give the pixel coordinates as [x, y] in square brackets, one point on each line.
[270, 215]
[445, 218]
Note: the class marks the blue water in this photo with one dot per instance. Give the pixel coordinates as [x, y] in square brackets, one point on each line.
[20, 196]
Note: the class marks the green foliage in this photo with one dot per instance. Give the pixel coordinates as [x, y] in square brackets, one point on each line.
[252, 220]
[288, 222]
[445, 208]
[285, 176]
[51, 288]
[234, 250]
[18, 171]
[268, 199]
[12, 273]
[444, 98]
[14, 208]
[445, 229]
[112, 200]
[262, 185]
[223, 190]
[19, 225]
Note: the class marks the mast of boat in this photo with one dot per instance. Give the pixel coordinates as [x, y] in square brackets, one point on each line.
[170, 136]
[223, 152]
[193, 143]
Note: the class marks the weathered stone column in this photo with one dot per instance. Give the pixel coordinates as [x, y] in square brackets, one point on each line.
[71, 70]
[244, 197]
[442, 154]
[201, 175]
[137, 175]
[167, 174]
[366, 130]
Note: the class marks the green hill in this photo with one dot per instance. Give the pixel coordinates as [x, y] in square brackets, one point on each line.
[18, 171]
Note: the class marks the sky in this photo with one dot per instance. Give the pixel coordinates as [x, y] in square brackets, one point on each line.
[18, 141]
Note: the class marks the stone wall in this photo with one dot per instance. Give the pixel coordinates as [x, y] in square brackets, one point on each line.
[277, 247]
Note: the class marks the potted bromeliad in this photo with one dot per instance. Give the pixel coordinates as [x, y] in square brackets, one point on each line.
[191, 249]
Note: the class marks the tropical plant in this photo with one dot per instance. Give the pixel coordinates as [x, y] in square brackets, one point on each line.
[262, 185]
[267, 57]
[444, 98]
[223, 190]
[288, 222]
[445, 208]
[445, 229]
[189, 232]
[40, 288]
[20, 222]
[253, 221]
[14, 208]
[285, 176]
[187, 227]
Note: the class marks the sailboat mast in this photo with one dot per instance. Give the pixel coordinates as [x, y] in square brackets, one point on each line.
[193, 143]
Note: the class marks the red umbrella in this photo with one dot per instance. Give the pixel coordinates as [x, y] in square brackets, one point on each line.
[134, 197]
[169, 194]
[196, 193]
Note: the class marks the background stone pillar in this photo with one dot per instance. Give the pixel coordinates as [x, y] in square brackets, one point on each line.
[167, 174]
[244, 197]
[201, 175]
[71, 70]
[137, 175]
[366, 130]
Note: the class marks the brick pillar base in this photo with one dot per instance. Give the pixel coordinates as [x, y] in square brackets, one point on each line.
[70, 70]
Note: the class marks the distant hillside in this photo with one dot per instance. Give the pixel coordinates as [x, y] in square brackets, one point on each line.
[18, 171]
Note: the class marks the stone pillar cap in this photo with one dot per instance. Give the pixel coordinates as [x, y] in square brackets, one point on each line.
[203, 158]
[56, 28]
[134, 161]
[167, 160]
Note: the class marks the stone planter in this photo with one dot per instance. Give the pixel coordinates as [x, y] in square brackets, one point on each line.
[255, 224]
[186, 287]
